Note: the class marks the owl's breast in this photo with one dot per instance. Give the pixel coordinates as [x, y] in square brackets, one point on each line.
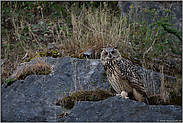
[111, 67]
[116, 78]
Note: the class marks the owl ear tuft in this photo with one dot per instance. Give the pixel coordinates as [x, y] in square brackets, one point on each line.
[115, 47]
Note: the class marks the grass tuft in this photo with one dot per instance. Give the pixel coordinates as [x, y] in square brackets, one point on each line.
[68, 102]
[40, 68]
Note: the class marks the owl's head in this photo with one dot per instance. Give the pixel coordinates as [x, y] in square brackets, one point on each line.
[110, 53]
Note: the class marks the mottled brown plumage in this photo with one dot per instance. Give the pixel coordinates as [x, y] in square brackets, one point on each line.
[122, 74]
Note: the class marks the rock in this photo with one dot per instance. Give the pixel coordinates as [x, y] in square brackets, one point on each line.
[153, 80]
[171, 65]
[33, 99]
[93, 52]
[88, 53]
[116, 109]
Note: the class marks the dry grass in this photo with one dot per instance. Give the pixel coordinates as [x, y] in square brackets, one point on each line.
[38, 68]
[25, 69]
[92, 29]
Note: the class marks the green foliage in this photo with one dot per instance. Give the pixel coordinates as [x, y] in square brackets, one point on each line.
[94, 83]
[58, 92]
[104, 74]
[158, 36]
[9, 80]
[52, 53]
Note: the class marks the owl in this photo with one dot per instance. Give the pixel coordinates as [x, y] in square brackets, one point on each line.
[122, 74]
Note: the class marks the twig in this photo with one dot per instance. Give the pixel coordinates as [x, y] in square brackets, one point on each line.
[169, 9]
[95, 30]
[81, 13]
[33, 34]
[16, 30]
[42, 13]
[68, 10]
[25, 56]
[18, 35]
[150, 47]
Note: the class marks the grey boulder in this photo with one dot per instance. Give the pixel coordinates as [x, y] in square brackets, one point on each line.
[116, 109]
[33, 99]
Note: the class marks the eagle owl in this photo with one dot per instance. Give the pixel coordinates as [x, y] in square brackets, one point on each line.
[122, 74]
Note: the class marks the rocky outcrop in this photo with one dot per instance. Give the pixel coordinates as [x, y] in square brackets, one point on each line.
[116, 109]
[33, 99]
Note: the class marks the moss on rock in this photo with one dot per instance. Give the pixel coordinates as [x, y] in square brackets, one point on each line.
[68, 102]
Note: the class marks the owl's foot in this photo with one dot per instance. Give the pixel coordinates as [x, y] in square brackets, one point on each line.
[123, 95]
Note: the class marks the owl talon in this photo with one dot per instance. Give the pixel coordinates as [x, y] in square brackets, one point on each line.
[118, 94]
[123, 95]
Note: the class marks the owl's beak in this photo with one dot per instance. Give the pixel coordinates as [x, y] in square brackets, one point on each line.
[110, 55]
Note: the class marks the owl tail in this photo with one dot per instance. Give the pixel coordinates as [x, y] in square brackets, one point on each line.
[140, 97]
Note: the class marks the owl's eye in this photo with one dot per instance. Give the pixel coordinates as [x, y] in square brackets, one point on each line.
[113, 52]
[106, 53]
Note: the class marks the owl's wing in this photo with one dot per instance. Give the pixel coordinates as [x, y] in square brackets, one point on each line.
[128, 71]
